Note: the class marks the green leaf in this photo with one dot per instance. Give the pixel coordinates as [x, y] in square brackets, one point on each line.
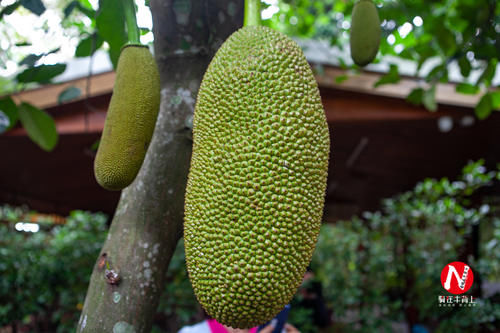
[424, 51]
[415, 97]
[429, 99]
[39, 125]
[88, 11]
[114, 55]
[7, 85]
[10, 114]
[391, 77]
[446, 40]
[467, 88]
[70, 7]
[69, 94]
[465, 66]
[143, 30]
[341, 78]
[77, 5]
[30, 60]
[495, 99]
[85, 47]
[110, 24]
[41, 74]
[35, 6]
[95, 145]
[488, 73]
[456, 23]
[484, 107]
[9, 9]
[439, 72]
[342, 63]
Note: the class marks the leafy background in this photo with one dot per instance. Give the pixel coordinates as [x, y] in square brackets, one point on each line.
[463, 33]
[376, 270]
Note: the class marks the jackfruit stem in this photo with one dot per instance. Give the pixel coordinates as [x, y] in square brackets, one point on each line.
[252, 13]
[132, 29]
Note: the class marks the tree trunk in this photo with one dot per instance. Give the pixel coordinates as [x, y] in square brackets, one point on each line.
[129, 275]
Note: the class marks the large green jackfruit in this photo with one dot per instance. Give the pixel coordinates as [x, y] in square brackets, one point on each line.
[256, 186]
[130, 120]
[365, 32]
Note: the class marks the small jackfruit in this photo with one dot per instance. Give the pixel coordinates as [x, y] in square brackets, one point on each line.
[365, 32]
[255, 192]
[130, 120]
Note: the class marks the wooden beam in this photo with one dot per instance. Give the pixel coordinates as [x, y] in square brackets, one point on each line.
[349, 106]
[364, 83]
[46, 96]
[82, 116]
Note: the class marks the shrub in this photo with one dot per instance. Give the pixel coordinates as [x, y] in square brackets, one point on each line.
[386, 265]
[45, 274]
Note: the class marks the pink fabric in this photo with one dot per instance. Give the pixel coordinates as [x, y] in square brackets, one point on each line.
[216, 327]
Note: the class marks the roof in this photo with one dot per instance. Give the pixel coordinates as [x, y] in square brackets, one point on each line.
[381, 145]
[323, 57]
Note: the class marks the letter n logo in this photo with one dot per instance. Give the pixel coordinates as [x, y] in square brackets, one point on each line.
[457, 277]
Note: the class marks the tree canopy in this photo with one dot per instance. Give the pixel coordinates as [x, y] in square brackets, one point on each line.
[463, 33]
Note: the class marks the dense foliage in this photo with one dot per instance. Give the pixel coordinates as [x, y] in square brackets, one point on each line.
[389, 262]
[433, 35]
[381, 268]
[44, 275]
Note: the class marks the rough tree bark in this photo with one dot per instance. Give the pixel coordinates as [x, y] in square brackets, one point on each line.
[129, 274]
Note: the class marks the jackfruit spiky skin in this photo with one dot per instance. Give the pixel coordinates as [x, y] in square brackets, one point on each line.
[130, 120]
[256, 186]
[365, 32]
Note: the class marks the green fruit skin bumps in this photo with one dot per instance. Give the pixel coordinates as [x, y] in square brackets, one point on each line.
[256, 186]
[130, 120]
[365, 32]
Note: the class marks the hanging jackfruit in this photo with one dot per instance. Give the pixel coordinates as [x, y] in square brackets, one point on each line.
[130, 120]
[365, 32]
[255, 192]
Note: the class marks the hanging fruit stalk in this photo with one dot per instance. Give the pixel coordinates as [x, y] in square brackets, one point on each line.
[132, 112]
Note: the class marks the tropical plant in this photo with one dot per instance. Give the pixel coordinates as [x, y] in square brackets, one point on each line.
[432, 35]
